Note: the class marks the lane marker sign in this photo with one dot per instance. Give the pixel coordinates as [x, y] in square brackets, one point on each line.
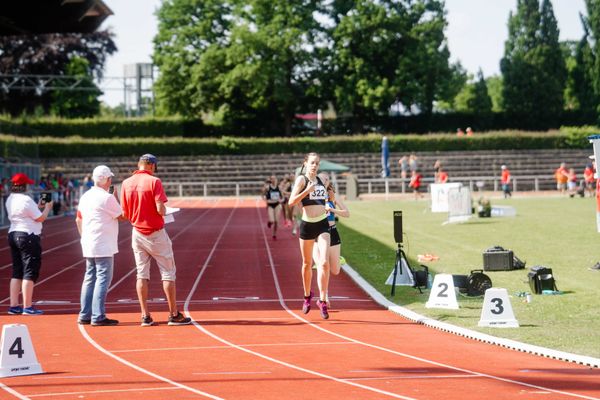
[442, 293]
[17, 356]
[497, 311]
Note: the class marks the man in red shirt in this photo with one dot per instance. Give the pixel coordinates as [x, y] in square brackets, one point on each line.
[505, 181]
[143, 201]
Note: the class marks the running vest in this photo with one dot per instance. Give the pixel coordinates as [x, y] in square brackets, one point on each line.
[273, 193]
[316, 197]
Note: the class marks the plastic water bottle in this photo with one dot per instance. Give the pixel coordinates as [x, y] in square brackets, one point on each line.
[429, 281]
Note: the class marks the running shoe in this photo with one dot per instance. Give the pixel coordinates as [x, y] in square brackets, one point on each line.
[106, 322]
[323, 308]
[32, 311]
[84, 321]
[274, 237]
[16, 310]
[179, 319]
[148, 321]
[306, 304]
[596, 267]
[342, 261]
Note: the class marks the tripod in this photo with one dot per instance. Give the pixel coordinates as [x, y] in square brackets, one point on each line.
[400, 255]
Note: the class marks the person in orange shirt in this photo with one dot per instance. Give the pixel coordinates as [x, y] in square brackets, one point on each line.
[442, 176]
[143, 201]
[562, 177]
[469, 131]
[588, 177]
[505, 181]
[415, 184]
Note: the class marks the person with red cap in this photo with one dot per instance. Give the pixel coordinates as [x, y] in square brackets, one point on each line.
[25, 245]
[143, 201]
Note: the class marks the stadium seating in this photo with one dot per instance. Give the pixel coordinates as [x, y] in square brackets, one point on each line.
[464, 166]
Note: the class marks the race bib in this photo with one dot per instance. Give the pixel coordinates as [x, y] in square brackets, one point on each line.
[319, 193]
[274, 196]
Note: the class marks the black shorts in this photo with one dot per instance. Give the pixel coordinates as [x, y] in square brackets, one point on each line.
[312, 230]
[335, 236]
[26, 251]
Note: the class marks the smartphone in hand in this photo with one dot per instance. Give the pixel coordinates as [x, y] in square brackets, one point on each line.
[46, 197]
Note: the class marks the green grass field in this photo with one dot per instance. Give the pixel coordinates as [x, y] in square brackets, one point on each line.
[559, 233]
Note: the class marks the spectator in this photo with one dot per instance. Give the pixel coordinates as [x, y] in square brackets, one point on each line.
[403, 162]
[505, 181]
[436, 169]
[25, 244]
[143, 201]
[460, 132]
[97, 223]
[562, 176]
[469, 131]
[415, 184]
[572, 182]
[588, 177]
[413, 163]
[442, 176]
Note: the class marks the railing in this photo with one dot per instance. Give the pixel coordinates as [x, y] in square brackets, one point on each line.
[369, 186]
[533, 183]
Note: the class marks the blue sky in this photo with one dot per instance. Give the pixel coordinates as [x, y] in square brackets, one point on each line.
[477, 30]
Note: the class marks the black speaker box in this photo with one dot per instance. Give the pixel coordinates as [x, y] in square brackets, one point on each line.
[398, 226]
[498, 260]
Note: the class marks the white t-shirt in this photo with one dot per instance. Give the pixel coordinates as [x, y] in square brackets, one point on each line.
[98, 211]
[22, 213]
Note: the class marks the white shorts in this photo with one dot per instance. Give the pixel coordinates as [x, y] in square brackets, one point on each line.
[157, 245]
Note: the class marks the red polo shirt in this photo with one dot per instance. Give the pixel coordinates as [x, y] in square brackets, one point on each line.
[139, 194]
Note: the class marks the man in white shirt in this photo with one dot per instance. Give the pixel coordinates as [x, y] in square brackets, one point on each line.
[97, 221]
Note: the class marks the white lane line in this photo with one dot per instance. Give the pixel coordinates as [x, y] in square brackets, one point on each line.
[233, 373]
[385, 378]
[424, 360]
[263, 356]
[227, 347]
[84, 333]
[103, 391]
[13, 392]
[142, 370]
[71, 377]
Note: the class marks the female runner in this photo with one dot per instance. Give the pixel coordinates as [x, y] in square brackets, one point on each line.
[274, 198]
[310, 191]
[335, 207]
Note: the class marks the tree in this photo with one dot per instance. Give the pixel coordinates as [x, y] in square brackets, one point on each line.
[245, 60]
[474, 97]
[48, 54]
[389, 51]
[533, 67]
[81, 103]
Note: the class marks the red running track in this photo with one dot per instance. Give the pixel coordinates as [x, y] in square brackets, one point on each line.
[249, 339]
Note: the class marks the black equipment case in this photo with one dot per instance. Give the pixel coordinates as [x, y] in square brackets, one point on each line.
[499, 259]
[540, 279]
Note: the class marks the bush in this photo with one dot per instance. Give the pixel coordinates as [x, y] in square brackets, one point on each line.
[77, 146]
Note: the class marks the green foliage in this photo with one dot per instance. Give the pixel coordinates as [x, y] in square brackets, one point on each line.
[77, 146]
[247, 59]
[79, 104]
[533, 66]
[474, 97]
[565, 322]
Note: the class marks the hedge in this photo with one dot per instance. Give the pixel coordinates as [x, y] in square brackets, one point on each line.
[75, 146]
[194, 127]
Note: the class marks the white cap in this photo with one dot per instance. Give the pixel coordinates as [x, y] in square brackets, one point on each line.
[592, 157]
[101, 173]
[503, 167]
